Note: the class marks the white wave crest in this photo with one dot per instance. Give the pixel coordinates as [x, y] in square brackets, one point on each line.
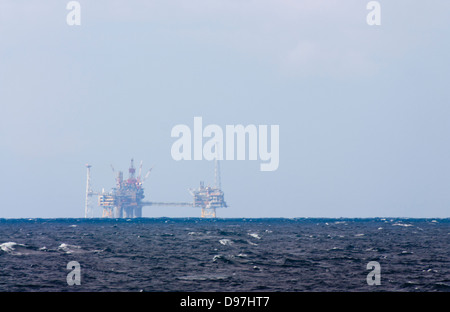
[255, 235]
[69, 248]
[402, 224]
[226, 241]
[9, 246]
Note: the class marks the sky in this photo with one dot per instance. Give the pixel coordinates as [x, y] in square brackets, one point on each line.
[363, 111]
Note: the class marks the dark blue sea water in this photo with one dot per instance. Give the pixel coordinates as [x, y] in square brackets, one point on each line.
[193, 254]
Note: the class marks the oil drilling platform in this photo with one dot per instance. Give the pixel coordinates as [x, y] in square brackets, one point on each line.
[126, 200]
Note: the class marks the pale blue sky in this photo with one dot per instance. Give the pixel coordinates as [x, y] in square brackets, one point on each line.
[364, 111]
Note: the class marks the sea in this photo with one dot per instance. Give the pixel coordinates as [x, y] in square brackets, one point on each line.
[225, 255]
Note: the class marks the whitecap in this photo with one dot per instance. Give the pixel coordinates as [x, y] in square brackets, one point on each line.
[9, 246]
[402, 224]
[255, 235]
[226, 241]
[69, 248]
[207, 277]
[16, 249]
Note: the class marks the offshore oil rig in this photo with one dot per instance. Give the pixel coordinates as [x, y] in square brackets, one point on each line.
[126, 200]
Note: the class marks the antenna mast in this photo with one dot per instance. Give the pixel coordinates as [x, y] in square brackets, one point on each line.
[87, 208]
[217, 169]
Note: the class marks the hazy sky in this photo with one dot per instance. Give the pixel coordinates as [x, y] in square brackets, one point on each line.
[363, 111]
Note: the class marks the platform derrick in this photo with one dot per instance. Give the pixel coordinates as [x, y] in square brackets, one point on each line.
[125, 200]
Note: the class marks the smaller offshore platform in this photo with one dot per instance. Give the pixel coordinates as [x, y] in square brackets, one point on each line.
[209, 198]
[126, 199]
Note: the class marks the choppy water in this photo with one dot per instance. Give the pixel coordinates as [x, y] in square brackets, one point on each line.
[225, 254]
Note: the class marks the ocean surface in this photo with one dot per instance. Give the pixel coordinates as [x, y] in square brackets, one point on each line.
[192, 254]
